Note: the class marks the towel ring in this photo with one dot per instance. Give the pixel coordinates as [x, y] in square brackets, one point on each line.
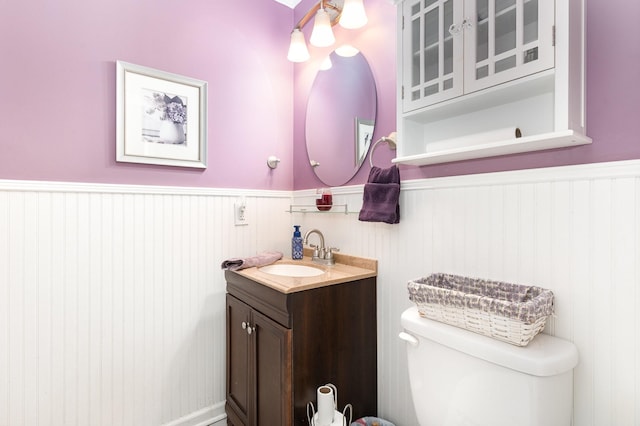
[390, 140]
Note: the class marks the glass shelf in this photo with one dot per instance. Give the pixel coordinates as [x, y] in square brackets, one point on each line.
[309, 208]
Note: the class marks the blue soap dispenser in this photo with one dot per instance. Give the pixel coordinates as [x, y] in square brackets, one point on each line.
[296, 244]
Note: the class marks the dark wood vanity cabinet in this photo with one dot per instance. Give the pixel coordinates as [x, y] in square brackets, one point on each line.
[282, 347]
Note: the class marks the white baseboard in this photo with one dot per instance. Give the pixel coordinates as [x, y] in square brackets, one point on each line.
[213, 415]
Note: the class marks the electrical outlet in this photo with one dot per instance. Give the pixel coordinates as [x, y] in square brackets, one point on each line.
[240, 214]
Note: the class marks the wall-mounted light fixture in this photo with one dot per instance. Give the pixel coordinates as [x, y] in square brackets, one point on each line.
[349, 14]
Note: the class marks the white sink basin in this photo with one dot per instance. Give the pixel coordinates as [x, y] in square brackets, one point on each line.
[289, 270]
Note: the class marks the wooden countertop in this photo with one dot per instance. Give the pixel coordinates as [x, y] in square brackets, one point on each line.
[347, 268]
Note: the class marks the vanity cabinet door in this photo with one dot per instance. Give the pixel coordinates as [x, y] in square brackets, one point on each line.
[258, 368]
[274, 398]
[239, 359]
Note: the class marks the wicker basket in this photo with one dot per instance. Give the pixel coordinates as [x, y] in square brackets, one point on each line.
[512, 313]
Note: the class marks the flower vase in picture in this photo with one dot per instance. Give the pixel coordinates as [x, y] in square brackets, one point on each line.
[171, 132]
[167, 117]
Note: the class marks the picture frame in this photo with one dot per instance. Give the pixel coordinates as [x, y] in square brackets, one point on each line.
[161, 118]
[364, 134]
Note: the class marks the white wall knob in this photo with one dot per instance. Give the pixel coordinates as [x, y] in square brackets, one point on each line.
[273, 161]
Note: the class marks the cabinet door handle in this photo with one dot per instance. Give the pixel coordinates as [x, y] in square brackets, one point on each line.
[249, 330]
[455, 29]
[244, 325]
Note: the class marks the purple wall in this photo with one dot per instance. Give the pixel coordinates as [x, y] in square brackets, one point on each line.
[613, 96]
[57, 117]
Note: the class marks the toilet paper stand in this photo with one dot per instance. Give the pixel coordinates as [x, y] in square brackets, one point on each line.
[339, 419]
[327, 414]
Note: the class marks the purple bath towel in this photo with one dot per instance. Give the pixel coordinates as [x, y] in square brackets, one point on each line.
[262, 259]
[380, 200]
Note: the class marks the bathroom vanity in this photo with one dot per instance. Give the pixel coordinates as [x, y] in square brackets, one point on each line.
[286, 336]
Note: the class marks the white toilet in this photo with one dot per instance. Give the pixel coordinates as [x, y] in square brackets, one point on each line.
[462, 378]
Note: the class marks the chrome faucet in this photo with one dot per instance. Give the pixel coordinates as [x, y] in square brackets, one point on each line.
[318, 250]
[320, 253]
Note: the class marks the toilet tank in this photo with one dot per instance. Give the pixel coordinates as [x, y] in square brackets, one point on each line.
[462, 378]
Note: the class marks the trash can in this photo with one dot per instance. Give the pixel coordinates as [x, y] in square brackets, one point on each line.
[372, 421]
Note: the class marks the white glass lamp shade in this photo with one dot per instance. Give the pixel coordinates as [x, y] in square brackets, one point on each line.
[298, 51]
[326, 64]
[353, 15]
[347, 51]
[322, 35]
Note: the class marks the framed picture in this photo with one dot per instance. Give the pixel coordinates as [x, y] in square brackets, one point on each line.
[364, 133]
[161, 118]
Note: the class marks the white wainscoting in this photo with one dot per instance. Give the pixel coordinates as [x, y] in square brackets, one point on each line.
[575, 230]
[112, 307]
[112, 299]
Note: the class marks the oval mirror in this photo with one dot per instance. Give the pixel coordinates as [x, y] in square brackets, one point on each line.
[341, 112]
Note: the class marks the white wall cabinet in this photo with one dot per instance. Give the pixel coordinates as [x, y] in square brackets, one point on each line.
[470, 70]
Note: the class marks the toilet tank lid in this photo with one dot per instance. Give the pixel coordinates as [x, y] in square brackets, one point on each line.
[544, 356]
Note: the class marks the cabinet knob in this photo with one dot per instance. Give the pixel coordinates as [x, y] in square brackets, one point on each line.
[454, 29]
[247, 326]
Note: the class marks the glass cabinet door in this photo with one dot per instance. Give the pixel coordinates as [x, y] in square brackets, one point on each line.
[432, 52]
[506, 39]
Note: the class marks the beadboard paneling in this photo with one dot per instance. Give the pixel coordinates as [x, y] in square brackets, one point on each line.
[575, 230]
[112, 300]
[111, 297]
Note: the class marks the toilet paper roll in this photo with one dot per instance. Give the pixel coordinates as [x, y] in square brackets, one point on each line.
[338, 419]
[326, 405]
